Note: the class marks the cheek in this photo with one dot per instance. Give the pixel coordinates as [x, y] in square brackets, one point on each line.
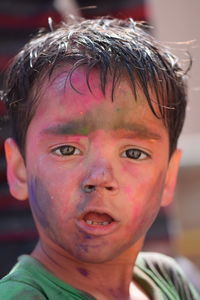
[56, 198]
[144, 199]
[40, 201]
[157, 188]
[57, 181]
[139, 183]
[152, 206]
[47, 207]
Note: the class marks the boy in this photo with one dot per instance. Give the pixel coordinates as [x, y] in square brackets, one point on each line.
[97, 108]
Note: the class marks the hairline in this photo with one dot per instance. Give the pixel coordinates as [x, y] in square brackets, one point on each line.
[49, 75]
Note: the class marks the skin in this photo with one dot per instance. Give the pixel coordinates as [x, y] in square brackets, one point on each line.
[101, 134]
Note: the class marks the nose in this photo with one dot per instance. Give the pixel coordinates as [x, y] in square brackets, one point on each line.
[100, 177]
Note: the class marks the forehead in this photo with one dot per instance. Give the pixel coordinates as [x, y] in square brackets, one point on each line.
[66, 97]
[81, 88]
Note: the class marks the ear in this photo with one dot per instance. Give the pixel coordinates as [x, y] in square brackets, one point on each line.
[171, 178]
[16, 171]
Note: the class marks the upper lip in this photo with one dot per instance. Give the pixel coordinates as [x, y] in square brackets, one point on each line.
[99, 211]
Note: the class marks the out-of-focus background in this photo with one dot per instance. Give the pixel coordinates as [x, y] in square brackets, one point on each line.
[176, 231]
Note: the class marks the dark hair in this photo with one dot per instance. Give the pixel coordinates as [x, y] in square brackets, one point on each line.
[114, 46]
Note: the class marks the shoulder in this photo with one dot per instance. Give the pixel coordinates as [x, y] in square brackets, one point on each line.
[12, 289]
[154, 260]
[165, 269]
[21, 282]
[161, 265]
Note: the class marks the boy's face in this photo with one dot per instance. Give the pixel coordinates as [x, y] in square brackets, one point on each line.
[97, 171]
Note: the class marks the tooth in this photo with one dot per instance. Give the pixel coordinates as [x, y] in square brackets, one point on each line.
[105, 223]
[89, 222]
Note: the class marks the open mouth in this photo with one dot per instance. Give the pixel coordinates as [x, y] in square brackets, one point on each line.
[97, 223]
[96, 218]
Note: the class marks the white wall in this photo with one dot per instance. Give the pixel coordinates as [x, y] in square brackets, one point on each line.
[179, 21]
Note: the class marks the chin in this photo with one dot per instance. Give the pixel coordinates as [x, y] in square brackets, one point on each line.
[96, 254]
[95, 259]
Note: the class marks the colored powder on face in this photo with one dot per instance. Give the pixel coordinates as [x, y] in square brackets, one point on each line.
[83, 272]
[39, 200]
[87, 236]
[85, 125]
[83, 247]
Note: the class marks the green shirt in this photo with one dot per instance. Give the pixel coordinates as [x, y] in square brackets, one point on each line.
[159, 276]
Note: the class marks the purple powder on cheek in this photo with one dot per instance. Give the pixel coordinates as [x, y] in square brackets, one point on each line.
[39, 200]
[85, 235]
[83, 272]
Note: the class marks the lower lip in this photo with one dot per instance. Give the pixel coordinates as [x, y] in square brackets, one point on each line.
[97, 230]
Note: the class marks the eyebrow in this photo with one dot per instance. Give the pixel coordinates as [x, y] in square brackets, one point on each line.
[85, 127]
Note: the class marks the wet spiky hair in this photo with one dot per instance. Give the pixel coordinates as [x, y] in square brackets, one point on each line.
[116, 47]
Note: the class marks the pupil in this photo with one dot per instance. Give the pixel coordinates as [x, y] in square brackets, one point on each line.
[67, 150]
[132, 153]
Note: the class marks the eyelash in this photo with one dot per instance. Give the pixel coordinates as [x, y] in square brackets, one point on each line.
[131, 153]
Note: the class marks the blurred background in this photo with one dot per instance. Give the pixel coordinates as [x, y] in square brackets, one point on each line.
[176, 231]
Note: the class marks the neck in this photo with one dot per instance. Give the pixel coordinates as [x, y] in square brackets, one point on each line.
[109, 280]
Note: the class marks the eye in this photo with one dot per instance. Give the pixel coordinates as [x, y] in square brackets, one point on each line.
[135, 154]
[66, 150]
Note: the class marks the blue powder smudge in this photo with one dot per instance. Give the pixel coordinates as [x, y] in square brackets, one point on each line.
[83, 272]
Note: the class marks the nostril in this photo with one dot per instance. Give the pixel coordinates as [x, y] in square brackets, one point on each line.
[89, 188]
[109, 188]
